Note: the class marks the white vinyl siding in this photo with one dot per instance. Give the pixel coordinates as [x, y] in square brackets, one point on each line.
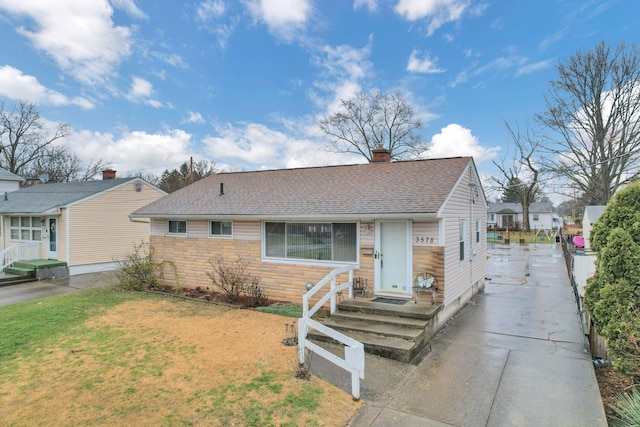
[460, 276]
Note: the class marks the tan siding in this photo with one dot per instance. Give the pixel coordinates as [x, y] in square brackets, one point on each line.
[246, 230]
[158, 227]
[198, 228]
[100, 229]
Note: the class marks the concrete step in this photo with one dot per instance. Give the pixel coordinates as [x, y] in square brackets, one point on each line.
[409, 309]
[380, 319]
[396, 330]
[10, 280]
[390, 347]
[21, 271]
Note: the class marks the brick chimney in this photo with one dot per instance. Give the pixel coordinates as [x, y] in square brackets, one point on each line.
[108, 173]
[380, 155]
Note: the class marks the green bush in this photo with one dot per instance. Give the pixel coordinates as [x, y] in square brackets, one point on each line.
[627, 411]
[613, 293]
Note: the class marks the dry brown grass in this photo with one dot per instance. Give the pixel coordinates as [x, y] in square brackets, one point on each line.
[167, 362]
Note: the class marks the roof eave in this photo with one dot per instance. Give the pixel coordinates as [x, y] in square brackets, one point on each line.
[331, 217]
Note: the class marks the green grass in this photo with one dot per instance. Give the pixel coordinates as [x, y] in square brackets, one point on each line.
[28, 326]
[288, 310]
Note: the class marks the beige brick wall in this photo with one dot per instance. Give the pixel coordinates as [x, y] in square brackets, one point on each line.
[283, 282]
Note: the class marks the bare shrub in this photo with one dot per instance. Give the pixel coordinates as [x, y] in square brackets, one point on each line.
[233, 279]
[139, 270]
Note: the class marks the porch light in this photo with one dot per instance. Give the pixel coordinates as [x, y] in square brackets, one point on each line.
[309, 286]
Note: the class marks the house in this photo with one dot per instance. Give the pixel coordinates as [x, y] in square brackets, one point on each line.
[9, 181]
[509, 215]
[83, 224]
[391, 221]
[591, 215]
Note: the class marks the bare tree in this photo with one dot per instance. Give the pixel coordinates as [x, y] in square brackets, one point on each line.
[520, 174]
[594, 108]
[25, 139]
[62, 165]
[369, 121]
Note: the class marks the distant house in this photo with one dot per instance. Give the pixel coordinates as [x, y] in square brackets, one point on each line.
[510, 215]
[391, 221]
[9, 181]
[84, 224]
[591, 215]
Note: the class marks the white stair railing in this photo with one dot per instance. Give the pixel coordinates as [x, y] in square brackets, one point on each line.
[353, 361]
[19, 252]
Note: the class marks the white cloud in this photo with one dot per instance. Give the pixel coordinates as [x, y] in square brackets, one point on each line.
[130, 7]
[194, 117]
[284, 18]
[438, 12]
[210, 9]
[370, 5]
[134, 151]
[256, 144]
[141, 91]
[16, 85]
[60, 30]
[536, 66]
[455, 140]
[422, 65]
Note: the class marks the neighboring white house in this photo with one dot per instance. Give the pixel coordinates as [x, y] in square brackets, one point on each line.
[9, 181]
[509, 215]
[591, 215]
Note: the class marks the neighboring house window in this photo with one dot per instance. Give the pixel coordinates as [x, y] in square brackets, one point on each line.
[27, 228]
[491, 217]
[477, 231]
[463, 233]
[177, 227]
[311, 241]
[536, 217]
[221, 229]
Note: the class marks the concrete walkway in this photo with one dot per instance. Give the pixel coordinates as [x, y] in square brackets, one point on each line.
[514, 356]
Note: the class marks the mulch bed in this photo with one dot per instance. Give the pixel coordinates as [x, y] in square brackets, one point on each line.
[612, 384]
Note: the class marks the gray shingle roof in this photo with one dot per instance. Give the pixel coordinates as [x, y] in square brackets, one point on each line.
[5, 175]
[413, 187]
[540, 207]
[42, 198]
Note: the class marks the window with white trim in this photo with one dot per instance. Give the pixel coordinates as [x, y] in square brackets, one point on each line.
[177, 227]
[221, 229]
[463, 240]
[25, 228]
[536, 217]
[478, 223]
[311, 241]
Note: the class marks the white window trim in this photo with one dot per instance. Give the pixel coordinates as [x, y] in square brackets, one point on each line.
[20, 228]
[310, 262]
[462, 242]
[186, 227]
[220, 236]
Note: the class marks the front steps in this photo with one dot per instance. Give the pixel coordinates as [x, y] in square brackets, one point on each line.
[38, 269]
[398, 332]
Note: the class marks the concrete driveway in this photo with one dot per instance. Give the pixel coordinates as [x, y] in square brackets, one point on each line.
[33, 290]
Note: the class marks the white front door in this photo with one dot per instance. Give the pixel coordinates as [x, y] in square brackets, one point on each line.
[393, 275]
[52, 230]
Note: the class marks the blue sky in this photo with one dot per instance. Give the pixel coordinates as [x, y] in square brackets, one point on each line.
[147, 84]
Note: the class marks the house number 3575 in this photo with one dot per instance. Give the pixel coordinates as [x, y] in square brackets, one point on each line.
[423, 239]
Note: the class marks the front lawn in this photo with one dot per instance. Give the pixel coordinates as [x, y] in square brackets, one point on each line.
[104, 357]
